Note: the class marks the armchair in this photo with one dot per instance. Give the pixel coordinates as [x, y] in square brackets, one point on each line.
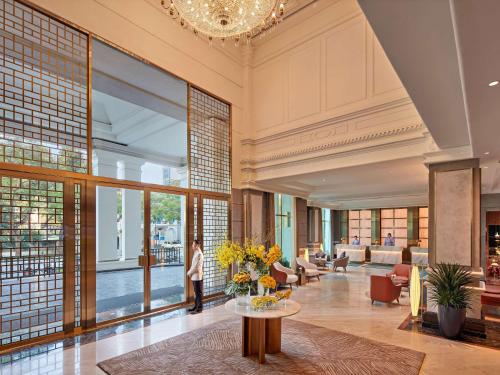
[310, 270]
[284, 275]
[340, 262]
[402, 274]
[382, 289]
[319, 259]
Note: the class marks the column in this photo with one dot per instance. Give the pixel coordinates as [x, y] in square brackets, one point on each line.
[132, 214]
[454, 213]
[105, 164]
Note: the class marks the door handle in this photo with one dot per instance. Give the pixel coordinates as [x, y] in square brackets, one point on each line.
[145, 262]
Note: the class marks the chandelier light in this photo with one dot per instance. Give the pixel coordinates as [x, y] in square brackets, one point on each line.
[226, 19]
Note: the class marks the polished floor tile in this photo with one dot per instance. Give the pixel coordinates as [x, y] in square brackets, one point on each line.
[339, 301]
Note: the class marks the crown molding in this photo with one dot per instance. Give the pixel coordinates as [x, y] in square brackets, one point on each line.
[348, 141]
[331, 121]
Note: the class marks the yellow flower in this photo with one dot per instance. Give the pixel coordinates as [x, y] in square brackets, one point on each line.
[263, 301]
[228, 253]
[268, 282]
[283, 295]
[242, 277]
[273, 255]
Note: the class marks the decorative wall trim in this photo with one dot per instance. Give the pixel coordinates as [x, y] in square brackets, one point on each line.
[338, 143]
[331, 121]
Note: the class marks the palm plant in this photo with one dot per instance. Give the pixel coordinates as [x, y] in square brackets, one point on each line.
[449, 281]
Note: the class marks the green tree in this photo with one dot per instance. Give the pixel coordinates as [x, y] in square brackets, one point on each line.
[165, 208]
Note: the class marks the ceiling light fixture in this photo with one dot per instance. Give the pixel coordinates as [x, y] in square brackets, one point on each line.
[224, 19]
[487, 153]
[493, 83]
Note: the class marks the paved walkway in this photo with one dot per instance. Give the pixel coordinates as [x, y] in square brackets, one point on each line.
[119, 293]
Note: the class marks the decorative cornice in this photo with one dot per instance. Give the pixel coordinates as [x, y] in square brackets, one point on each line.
[331, 121]
[337, 143]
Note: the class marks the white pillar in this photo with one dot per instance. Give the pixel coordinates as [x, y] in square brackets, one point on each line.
[130, 169]
[106, 209]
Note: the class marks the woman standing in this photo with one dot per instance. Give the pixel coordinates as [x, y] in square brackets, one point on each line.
[196, 275]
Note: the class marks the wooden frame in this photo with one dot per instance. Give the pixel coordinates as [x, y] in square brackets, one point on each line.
[89, 183]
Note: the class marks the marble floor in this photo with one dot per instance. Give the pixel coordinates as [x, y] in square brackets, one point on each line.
[339, 301]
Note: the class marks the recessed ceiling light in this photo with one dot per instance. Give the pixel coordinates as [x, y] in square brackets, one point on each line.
[493, 83]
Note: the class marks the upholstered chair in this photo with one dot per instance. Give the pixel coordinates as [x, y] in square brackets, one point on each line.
[383, 289]
[284, 275]
[402, 274]
[310, 270]
[340, 262]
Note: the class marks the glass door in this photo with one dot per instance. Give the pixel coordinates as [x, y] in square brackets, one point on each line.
[119, 248]
[167, 218]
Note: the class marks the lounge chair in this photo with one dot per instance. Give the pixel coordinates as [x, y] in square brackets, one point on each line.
[310, 270]
[284, 275]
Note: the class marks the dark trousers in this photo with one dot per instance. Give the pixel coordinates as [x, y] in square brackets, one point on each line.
[198, 294]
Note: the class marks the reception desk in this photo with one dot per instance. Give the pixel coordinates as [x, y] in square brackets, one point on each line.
[419, 255]
[386, 254]
[356, 253]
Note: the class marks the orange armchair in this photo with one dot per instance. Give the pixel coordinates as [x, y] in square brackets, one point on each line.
[382, 289]
[402, 273]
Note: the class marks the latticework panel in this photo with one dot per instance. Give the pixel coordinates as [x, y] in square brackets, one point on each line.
[78, 239]
[215, 227]
[31, 238]
[210, 143]
[43, 91]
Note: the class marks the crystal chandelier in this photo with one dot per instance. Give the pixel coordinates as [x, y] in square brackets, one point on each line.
[224, 19]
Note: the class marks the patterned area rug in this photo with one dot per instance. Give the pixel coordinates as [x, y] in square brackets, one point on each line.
[306, 349]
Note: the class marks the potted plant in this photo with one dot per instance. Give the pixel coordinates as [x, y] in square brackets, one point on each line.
[240, 287]
[451, 296]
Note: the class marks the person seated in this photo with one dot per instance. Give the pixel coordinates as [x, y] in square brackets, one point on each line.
[389, 240]
[356, 241]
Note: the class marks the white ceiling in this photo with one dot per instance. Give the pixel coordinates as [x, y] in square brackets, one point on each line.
[139, 128]
[393, 183]
[446, 53]
[138, 106]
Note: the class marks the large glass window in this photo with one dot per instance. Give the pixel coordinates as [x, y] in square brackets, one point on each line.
[283, 208]
[119, 243]
[327, 230]
[139, 120]
[168, 247]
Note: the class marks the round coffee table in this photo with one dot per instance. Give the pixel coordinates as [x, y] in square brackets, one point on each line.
[261, 330]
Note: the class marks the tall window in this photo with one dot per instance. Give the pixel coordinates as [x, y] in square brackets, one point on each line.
[139, 120]
[360, 224]
[394, 221]
[327, 230]
[283, 224]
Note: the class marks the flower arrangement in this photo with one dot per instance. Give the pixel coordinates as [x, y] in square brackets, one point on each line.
[250, 257]
[273, 255]
[267, 282]
[240, 284]
[242, 277]
[263, 302]
[228, 253]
